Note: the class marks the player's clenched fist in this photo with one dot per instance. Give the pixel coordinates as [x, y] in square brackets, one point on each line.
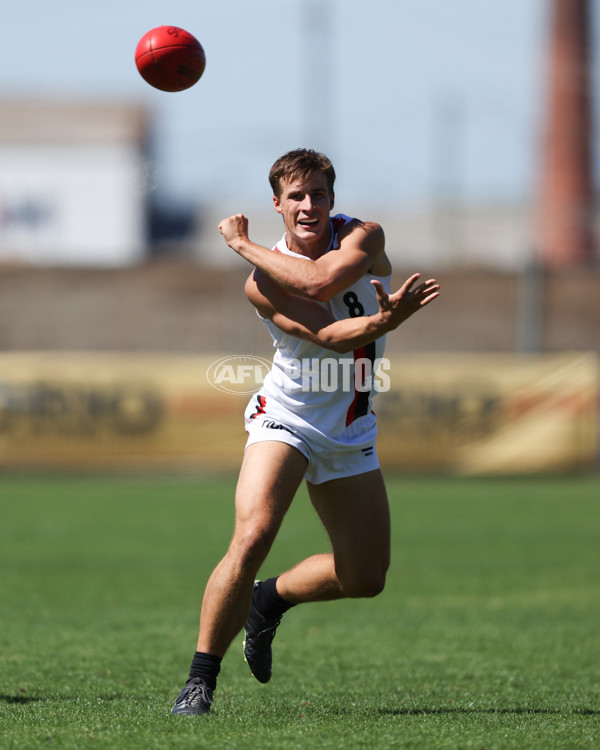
[234, 228]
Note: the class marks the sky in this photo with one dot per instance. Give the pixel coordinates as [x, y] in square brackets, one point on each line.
[411, 100]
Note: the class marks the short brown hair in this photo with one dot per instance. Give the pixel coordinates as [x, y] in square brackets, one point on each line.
[299, 165]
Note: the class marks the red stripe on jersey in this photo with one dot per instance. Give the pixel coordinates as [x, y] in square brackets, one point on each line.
[338, 222]
[261, 403]
[352, 410]
[360, 403]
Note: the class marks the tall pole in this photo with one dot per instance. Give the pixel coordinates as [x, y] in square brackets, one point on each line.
[316, 74]
[448, 168]
[565, 230]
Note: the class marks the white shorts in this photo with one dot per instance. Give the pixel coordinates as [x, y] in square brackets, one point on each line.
[327, 458]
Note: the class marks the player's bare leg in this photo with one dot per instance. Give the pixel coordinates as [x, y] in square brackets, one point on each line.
[269, 478]
[270, 475]
[355, 513]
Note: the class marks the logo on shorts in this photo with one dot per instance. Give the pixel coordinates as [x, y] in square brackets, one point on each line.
[272, 425]
[241, 374]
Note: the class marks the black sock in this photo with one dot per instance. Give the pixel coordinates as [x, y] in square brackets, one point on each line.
[207, 667]
[268, 602]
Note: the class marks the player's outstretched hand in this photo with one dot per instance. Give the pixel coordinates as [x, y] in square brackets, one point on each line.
[234, 228]
[397, 307]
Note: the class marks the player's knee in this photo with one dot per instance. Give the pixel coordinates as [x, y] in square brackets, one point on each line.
[373, 586]
[364, 586]
[253, 545]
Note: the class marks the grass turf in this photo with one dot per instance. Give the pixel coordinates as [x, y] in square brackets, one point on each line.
[485, 637]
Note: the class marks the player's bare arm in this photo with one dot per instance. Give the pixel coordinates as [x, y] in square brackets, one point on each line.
[309, 320]
[361, 250]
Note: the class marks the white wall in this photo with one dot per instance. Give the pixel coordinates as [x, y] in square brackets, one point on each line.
[64, 203]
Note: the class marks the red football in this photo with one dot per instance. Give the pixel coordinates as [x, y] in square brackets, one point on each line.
[169, 58]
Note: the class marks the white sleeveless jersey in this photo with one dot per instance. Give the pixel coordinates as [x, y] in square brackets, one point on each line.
[316, 388]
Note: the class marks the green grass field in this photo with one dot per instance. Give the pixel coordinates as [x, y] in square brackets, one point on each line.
[485, 637]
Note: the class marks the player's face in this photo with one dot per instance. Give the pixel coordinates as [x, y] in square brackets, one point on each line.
[305, 206]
